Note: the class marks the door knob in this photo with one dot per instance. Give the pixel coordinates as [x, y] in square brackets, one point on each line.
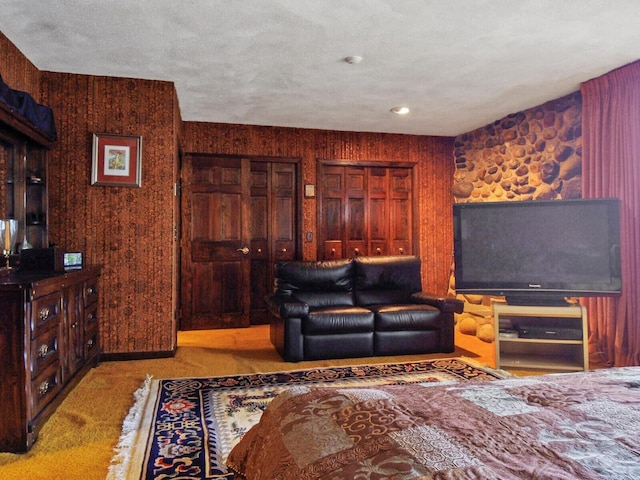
[244, 250]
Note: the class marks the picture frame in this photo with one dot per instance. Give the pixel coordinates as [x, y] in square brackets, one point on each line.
[116, 160]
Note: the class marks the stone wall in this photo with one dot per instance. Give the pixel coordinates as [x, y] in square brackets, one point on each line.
[529, 155]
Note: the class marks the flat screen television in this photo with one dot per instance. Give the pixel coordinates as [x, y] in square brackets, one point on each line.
[538, 252]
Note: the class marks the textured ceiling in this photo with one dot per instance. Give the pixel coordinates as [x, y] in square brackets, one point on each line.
[458, 64]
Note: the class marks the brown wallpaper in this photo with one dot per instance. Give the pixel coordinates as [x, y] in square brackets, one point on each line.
[17, 71]
[432, 156]
[127, 230]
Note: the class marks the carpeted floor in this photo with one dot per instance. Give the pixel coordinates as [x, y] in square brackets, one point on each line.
[78, 440]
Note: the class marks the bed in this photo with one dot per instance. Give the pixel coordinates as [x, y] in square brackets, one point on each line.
[582, 425]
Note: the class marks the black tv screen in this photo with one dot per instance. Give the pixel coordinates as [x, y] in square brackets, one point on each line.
[538, 252]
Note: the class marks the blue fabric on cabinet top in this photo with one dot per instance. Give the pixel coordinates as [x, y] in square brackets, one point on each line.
[39, 115]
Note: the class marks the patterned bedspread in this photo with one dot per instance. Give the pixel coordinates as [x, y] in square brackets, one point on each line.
[563, 426]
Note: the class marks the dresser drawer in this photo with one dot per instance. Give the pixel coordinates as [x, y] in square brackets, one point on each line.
[90, 317]
[44, 351]
[45, 314]
[45, 387]
[91, 342]
[90, 291]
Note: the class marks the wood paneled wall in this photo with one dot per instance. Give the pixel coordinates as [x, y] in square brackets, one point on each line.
[127, 230]
[431, 155]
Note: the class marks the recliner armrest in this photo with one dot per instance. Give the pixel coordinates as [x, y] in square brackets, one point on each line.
[284, 307]
[445, 304]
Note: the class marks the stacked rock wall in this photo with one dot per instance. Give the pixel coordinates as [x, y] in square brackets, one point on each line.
[530, 155]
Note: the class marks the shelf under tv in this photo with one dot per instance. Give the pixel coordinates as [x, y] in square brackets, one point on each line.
[541, 353]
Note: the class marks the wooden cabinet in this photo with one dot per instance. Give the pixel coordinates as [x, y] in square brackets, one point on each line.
[364, 210]
[24, 153]
[48, 341]
[556, 337]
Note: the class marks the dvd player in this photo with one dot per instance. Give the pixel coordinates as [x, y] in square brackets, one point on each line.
[548, 333]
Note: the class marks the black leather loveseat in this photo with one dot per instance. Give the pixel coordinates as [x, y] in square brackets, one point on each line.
[357, 307]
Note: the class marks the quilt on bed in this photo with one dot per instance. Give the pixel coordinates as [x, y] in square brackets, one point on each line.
[562, 426]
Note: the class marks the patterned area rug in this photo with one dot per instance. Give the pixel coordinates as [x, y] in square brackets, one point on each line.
[185, 427]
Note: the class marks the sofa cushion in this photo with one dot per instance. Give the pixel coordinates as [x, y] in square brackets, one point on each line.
[338, 320]
[320, 284]
[339, 345]
[386, 279]
[406, 317]
[407, 342]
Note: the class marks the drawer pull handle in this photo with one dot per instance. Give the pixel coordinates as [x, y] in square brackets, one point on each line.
[401, 250]
[356, 251]
[43, 388]
[43, 350]
[90, 291]
[44, 313]
[378, 251]
[91, 317]
[90, 343]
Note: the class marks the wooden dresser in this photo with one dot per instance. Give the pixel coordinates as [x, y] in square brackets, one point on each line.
[48, 342]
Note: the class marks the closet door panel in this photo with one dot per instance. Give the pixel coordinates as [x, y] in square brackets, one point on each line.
[283, 208]
[356, 217]
[378, 228]
[259, 227]
[364, 210]
[401, 211]
[356, 228]
[331, 215]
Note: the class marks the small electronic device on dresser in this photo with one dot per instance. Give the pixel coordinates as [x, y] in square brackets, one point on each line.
[51, 259]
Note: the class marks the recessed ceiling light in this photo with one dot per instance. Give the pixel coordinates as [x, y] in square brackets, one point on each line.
[353, 59]
[400, 110]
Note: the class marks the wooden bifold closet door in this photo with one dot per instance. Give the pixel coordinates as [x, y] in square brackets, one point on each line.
[239, 217]
[364, 210]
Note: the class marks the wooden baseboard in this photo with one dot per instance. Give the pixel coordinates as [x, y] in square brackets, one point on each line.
[116, 357]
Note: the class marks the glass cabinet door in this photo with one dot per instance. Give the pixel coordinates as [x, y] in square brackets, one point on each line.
[35, 198]
[23, 195]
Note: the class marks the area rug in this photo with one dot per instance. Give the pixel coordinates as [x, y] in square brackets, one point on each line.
[185, 427]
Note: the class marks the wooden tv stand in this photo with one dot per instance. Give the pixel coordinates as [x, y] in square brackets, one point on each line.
[48, 342]
[545, 349]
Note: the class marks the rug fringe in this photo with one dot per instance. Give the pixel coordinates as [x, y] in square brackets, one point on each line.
[130, 427]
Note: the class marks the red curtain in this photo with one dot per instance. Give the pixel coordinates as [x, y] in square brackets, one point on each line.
[611, 168]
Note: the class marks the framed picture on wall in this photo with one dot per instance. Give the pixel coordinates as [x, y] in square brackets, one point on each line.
[117, 160]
